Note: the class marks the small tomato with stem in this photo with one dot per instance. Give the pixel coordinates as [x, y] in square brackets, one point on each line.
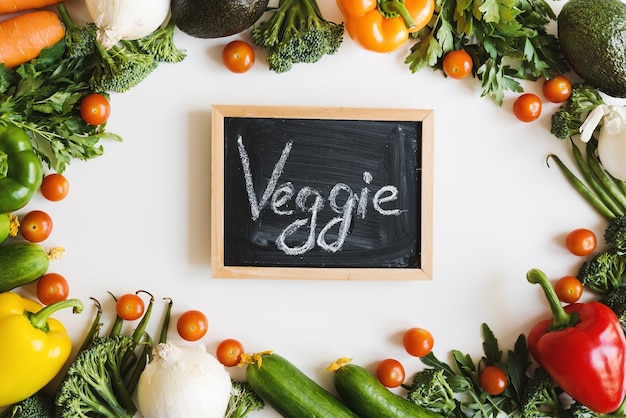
[95, 109]
[192, 325]
[457, 64]
[493, 380]
[527, 107]
[418, 342]
[390, 372]
[581, 242]
[54, 187]
[557, 89]
[130, 306]
[568, 289]
[229, 352]
[51, 288]
[36, 226]
[238, 56]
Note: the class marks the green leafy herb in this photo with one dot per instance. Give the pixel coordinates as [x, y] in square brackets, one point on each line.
[507, 39]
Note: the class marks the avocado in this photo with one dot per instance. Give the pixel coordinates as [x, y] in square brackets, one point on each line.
[216, 18]
[592, 34]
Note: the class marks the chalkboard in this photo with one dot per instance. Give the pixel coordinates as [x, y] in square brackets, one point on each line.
[321, 193]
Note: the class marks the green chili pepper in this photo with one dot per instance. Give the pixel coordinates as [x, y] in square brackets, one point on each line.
[21, 170]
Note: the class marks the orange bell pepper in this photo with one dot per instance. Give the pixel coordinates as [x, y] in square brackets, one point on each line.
[384, 25]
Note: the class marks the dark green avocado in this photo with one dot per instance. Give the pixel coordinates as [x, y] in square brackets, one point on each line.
[216, 18]
[592, 34]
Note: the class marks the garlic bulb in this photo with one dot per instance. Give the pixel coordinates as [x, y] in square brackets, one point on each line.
[183, 382]
[612, 137]
[126, 19]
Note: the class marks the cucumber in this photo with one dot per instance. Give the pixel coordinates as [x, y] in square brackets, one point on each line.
[292, 393]
[8, 226]
[366, 396]
[22, 263]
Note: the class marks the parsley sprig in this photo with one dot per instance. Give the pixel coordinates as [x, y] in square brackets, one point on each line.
[508, 41]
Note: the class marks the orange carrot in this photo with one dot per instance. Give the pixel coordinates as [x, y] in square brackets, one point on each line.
[23, 37]
[13, 6]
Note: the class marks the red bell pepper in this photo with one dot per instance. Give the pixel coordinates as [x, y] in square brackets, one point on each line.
[583, 348]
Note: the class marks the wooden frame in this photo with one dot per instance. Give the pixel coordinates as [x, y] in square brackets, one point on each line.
[425, 118]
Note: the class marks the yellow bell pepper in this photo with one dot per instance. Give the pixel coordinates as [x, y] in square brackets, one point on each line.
[33, 346]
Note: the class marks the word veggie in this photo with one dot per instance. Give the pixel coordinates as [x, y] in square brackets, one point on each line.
[583, 348]
[33, 346]
[278, 196]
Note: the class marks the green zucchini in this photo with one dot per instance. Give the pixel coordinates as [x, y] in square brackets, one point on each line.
[366, 396]
[9, 225]
[22, 263]
[290, 392]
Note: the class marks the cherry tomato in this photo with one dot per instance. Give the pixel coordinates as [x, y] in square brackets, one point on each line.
[527, 107]
[457, 64]
[95, 109]
[229, 352]
[130, 307]
[36, 226]
[581, 242]
[51, 288]
[54, 187]
[493, 380]
[192, 325]
[557, 89]
[238, 56]
[569, 289]
[418, 342]
[390, 373]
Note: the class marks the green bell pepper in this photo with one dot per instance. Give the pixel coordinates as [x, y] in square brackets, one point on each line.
[21, 169]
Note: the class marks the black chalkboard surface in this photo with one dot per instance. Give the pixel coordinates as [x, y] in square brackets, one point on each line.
[302, 192]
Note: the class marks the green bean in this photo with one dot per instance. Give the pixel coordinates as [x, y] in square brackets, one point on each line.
[583, 190]
[604, 178]
[593, 183]
[116, 329]
[95, 327]
[141, 365]
[166, 321]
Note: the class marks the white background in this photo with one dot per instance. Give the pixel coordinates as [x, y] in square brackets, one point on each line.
[139, 216]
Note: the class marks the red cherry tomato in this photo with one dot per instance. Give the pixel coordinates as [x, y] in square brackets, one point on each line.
[51, 288]
[557, 89]
[95, 109]
[130, 307]
[457, 64]
[229, 352]
[192, 325]
[418, 342]
[568, 289]
[527, 107]
[581, 242]
[54, 187]
[390, 373]
[238, 56]
[36, 226]
[493, 380]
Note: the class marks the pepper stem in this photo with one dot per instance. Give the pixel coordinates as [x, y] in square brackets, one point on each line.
[39, 319]
[394, 8]
[560, 318]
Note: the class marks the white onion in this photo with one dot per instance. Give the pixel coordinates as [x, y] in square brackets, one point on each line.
[183, 381]
[612, 137]
[126, 19]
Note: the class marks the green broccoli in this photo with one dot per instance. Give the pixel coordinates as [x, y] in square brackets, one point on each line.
[541, 397]
[430, 389]
[160, 44]
[243, 400]
[39, 405]
[604, 272]
[79, 40]
[615, 234]
[567, 120]
[94, 382]
[616, 300]
[297, 32]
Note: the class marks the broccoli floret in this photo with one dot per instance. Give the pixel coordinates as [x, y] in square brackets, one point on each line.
[79, 40]
[93, 383]
[297, 32]
[541, 397]
[604, 272]
[430, 389]
[160, 44]
[567, 120]
[616, 300]
[119, 68]
[243, 400]
[39, 405]
[578, 410]
[615, 234]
